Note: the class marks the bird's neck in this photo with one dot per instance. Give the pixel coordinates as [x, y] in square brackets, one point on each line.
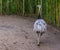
[39, 16]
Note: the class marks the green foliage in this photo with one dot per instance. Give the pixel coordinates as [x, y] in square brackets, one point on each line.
[44, 8]
[4, 6]
[0, 6]
[13, 7]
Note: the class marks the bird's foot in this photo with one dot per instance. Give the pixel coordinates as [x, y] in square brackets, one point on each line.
[38, 44]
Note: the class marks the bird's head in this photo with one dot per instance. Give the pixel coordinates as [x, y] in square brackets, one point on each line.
[39, 7]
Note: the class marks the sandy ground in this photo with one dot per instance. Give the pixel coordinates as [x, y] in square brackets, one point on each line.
[16, 34]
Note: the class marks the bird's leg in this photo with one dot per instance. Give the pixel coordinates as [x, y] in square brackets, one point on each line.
[38, 39]
[41, 33]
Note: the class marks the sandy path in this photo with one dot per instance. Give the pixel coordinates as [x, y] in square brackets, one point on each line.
[16, 34]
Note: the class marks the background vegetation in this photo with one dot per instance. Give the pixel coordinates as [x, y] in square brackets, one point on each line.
[50, 9]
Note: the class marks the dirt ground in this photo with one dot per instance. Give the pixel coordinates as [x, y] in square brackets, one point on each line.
[16, 34]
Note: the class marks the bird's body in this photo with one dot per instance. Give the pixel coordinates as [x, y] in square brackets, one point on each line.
[40, 25]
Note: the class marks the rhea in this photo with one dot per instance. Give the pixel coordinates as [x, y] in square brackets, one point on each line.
[40, 26]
